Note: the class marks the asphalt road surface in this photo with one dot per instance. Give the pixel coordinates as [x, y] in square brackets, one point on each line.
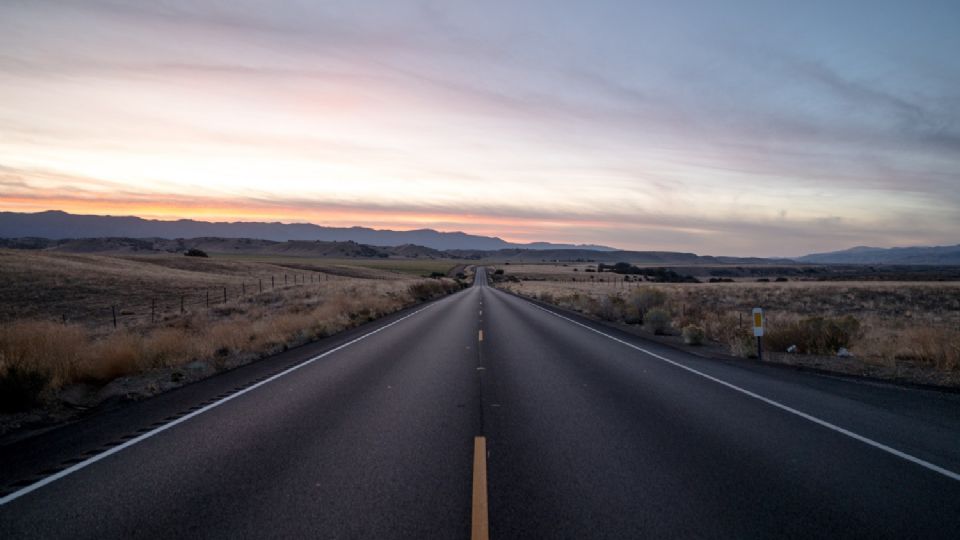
[485, 412]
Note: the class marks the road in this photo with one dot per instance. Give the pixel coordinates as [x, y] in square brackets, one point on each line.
[588, 433]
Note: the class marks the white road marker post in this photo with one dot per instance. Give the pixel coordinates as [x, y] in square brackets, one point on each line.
[758, 330]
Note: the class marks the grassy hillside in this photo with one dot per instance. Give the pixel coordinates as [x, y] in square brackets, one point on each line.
[58, 312]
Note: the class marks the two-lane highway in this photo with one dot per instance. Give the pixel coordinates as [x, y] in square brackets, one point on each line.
[374, 440]
[590, 437]
[589, 433]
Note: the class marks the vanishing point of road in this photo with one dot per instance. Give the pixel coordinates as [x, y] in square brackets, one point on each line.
[484, 414]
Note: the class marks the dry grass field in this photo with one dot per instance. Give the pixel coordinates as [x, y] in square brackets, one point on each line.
[386, 268]
[899, 325]
[57, 313]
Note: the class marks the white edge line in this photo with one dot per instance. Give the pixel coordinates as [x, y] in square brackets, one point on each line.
[878, 445]
[107, 453]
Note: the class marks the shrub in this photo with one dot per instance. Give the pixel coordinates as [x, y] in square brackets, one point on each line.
[814, 335]
[610, 308]
[693, 335]
[194, 252]
[430, 289]
[20, 388]
[645, 299]
[657, 320]
[631, 315]
[114, 356]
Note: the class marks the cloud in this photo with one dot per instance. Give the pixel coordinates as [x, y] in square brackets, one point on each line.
[592, 124]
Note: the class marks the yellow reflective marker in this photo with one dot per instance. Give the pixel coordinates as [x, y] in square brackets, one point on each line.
[757, 322]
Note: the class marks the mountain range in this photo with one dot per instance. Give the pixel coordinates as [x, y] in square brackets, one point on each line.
[55, 225]
[60, 231]
[935, 255]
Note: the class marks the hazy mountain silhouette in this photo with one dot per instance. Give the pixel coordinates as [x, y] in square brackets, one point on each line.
[57, 225]
[939, 255]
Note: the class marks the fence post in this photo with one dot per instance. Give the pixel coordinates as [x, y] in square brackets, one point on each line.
[181, 304]
[243, 289]
[208, 299]
[153, 310]
[284, 279]
[114, 310]
[261, 284]
[224, 295]
[64, 318]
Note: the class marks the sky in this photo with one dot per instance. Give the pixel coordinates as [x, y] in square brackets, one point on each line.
[723, 128]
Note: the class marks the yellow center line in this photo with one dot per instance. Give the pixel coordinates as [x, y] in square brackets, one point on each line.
[481, 525]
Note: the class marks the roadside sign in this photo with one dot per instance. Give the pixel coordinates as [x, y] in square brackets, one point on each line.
[758, 322]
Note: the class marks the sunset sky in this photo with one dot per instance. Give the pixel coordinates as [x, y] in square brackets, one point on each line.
[734, 128]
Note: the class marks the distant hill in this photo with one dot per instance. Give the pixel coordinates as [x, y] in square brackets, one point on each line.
[58, 225]
[936, 255]
[317, 248]
[295, 248]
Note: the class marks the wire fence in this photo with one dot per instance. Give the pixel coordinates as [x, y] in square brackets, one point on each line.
[151, 308]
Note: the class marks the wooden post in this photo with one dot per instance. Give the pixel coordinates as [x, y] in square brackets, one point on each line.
[208, 299]
[153, 310]
[64, 318]
[224, 295]
[114, 310]
[261, 284]
[181, 304]
[284, 279]
[243, 288]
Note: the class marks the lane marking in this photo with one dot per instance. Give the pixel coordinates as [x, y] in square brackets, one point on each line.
[90, 461]
[480, 336]
[480, 528]
[876, 444]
